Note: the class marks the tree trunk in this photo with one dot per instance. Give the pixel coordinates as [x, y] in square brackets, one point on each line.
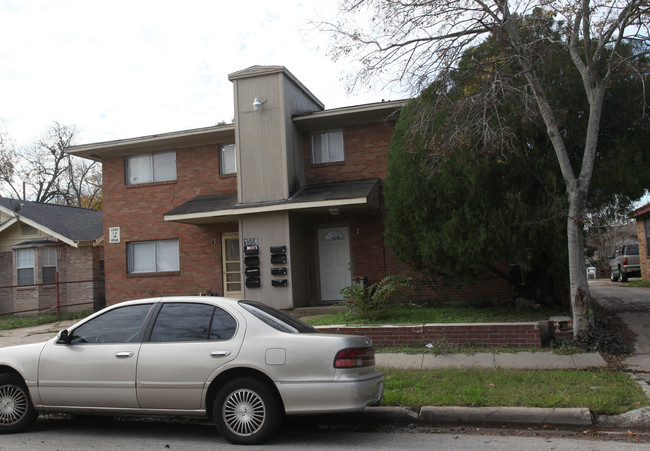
[579, 288]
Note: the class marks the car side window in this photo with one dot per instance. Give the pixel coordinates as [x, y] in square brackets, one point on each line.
[120, 325]
[192, 322]
[223, 326]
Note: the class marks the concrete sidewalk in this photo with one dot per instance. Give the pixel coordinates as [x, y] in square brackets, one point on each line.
[517, 360]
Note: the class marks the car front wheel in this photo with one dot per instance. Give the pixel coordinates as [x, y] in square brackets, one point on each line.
[246, 412]
[16, 410]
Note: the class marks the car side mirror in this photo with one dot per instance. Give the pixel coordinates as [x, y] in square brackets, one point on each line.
[63, 337]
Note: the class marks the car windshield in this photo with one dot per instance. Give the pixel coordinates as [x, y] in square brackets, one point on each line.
[277, 319]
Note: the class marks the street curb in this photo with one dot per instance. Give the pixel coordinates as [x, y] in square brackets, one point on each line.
[540, 416]
[511, 415]
[482, 415]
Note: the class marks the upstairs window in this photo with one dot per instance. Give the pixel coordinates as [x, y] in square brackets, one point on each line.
[227, 159]
[153, 256]
[25, 266]
[48, 264]
[151, 167]
[327, 147]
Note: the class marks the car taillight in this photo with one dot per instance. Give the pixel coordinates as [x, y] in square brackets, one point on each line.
[354, 358]
[625, 260]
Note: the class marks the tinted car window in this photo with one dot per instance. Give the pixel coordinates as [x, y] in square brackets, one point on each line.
[120, 325]
[223, 326]
[633, 249]
[277, 319]
[192, 322]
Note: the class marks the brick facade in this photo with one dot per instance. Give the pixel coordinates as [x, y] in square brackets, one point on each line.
[81, 282]
[644, 257]
[138, 210]
[490, 334]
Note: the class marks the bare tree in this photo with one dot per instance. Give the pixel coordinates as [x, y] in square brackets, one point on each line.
[416, 41]
[44, 172]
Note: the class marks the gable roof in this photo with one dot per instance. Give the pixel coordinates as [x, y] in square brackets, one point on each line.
[71, 225]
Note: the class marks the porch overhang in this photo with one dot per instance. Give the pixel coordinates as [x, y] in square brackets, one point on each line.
[357, 195]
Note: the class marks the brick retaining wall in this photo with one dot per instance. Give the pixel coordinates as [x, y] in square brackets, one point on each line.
[511, 334]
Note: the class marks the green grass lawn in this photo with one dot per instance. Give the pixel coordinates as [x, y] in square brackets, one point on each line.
[639, 283]
[16, 322]
[409, 314]
[603, 392]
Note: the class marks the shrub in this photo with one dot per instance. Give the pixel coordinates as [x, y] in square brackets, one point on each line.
[371, 302]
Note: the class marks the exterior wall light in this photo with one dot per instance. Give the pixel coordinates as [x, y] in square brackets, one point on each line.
[257, 104]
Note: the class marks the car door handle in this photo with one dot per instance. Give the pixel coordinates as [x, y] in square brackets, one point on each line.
[124, 354]
[219, 353]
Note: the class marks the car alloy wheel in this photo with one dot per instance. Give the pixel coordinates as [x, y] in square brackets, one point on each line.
[245, 412]
[16, 410]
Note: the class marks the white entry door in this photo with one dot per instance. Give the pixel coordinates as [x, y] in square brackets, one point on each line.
[334, 259]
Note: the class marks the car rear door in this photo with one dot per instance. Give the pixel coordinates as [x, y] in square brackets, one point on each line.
[188, 342]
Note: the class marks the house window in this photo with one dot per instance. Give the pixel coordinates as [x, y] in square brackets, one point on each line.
[151, 167]
[48, 264]
[327, 147]
[153, 256]
[227, 161]
[25, 266]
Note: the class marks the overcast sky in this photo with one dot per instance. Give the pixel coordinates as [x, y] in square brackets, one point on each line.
[126, 68]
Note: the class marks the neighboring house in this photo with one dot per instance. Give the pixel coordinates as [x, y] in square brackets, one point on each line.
[283, 206]
[39, 241]
[642, 217]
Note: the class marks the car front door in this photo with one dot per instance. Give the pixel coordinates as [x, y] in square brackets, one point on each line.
[188, 342]
[96, 366]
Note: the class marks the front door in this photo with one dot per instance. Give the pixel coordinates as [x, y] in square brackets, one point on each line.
[231, 266]
[334, 260]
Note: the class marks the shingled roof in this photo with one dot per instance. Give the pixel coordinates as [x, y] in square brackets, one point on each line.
[69, 224]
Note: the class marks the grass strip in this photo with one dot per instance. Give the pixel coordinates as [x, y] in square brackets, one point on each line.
[8, 322]
[603, 392]
[409, 314]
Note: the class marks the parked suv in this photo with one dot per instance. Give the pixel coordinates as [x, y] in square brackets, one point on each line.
[625, 263]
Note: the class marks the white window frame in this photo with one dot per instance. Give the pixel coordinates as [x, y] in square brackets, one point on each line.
[324, 147]
[151, 167]
[227, 159]
[24, 264]
[48, 260]
[140, 262]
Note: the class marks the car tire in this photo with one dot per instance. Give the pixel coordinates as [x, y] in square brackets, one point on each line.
[16, 410]
[612, 277]
[623, 276]
[246, 412]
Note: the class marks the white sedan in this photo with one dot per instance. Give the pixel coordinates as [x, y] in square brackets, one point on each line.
[242, 363]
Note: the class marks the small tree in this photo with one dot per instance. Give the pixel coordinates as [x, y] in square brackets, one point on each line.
[372, 301]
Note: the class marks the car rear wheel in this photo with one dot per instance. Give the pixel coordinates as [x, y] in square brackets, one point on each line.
[246, 412]
[612, 277]
[16, 410]
[623, 276]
